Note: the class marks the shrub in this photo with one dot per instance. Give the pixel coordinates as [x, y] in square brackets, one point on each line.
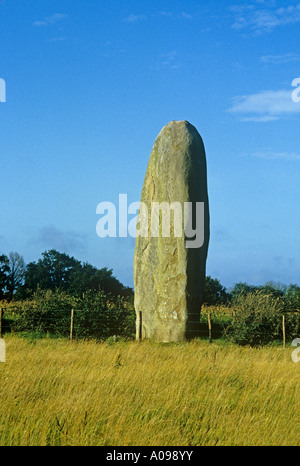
[257, 319]
[48, 311]
[100, 315]
[96, 314]
[292, 325]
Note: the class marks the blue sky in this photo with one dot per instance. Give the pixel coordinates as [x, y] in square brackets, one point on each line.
[89, 85]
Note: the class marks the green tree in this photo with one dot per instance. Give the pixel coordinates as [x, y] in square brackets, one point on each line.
[214, 292]
[53, 271]
[56, 270]
[16, 273]
[4, 270]
[275, 289]
[241, 289]
[292, 297]
[89, 277]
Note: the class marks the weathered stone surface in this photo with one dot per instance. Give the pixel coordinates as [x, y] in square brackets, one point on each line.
[168, 276]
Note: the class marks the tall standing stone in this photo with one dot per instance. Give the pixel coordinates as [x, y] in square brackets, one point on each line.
[168, 276]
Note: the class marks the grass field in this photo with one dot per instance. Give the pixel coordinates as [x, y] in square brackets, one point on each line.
[54, 392]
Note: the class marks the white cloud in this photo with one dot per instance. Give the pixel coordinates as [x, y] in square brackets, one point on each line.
[39, 23]
[186, 15]
[182, 15]
[269, 155]
[280, 59]
[56, 17]
[265, 106]
[260, 119]
[135, 18]
[259, 20]
[239, 9]
[166, 13]
[169, 60]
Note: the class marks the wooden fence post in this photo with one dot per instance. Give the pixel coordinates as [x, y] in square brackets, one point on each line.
[72, 324]
[1, 315]
[283, 329]
[209, 327]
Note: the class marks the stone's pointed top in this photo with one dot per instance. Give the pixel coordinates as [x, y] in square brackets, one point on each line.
[179, 123]
[176, 136]
[180, 126]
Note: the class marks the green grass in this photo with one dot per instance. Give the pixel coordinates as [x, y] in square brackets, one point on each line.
[54, 392]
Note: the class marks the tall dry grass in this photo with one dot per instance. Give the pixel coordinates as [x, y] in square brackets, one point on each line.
[54, 392]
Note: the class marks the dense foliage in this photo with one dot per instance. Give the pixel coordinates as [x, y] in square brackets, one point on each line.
[55, 270]
[257, 319]
[214, 292]
[96, 314]
[39, 297]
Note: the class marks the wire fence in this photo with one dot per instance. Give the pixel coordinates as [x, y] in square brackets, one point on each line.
[76, 323]
[72, 323]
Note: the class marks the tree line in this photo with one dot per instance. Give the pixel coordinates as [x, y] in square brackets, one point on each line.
[55, 270]
[216, 294]
[59, 271]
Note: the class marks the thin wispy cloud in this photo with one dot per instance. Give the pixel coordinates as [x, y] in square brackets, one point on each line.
[56, 39]
[265, 106]
[220, 235]
[186, 15]
[66, 241]
[270, 155]
[183, 15]
[169, 60]
[284, 261]
[280, 59]
[55, 18]
[135, 18]
[168, 14]
[261, 20]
